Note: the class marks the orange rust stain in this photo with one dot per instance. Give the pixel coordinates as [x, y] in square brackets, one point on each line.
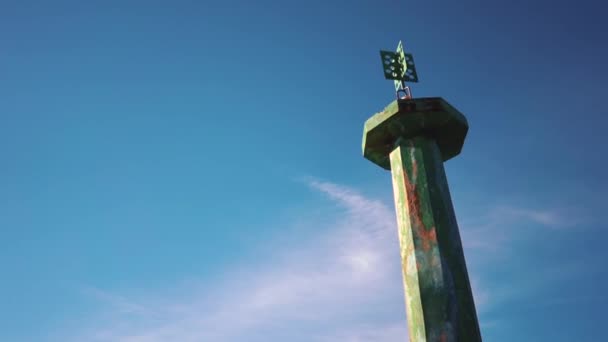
[428, 237]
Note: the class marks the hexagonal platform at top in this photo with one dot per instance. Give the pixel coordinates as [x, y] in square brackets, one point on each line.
[406, 119]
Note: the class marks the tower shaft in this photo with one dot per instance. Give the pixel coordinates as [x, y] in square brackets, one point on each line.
[439, 301]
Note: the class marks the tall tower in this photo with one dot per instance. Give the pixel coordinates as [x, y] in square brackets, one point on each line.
[412, 137]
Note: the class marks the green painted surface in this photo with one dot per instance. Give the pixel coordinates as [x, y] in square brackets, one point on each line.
[399, 66]
[416, 141]
[431, 116]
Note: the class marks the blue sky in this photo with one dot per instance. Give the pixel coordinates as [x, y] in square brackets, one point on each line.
[192, 171]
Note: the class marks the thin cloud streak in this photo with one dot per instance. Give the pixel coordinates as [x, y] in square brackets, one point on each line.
[548, 218]
[493, 231]
[327, 288]
[351, 272]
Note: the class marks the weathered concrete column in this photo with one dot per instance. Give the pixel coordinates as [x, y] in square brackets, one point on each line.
[413, 138]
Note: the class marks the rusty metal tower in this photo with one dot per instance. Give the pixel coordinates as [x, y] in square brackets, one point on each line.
[412, 137]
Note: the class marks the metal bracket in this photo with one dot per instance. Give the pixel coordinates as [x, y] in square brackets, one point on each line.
[399, 66]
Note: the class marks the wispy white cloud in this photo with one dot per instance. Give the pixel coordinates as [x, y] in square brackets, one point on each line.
[492, 230]
[118, 303]
[554, 218]
[344, 277]
[493, 240]
[565, 217]
[343, 285]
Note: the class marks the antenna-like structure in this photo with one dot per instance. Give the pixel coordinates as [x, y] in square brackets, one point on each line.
[399, 66]
[412, 138]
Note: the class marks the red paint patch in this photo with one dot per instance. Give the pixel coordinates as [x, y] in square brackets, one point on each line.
[427, 237]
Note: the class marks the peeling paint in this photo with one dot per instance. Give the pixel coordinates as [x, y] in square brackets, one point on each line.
[431, 296]
[412, 139]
